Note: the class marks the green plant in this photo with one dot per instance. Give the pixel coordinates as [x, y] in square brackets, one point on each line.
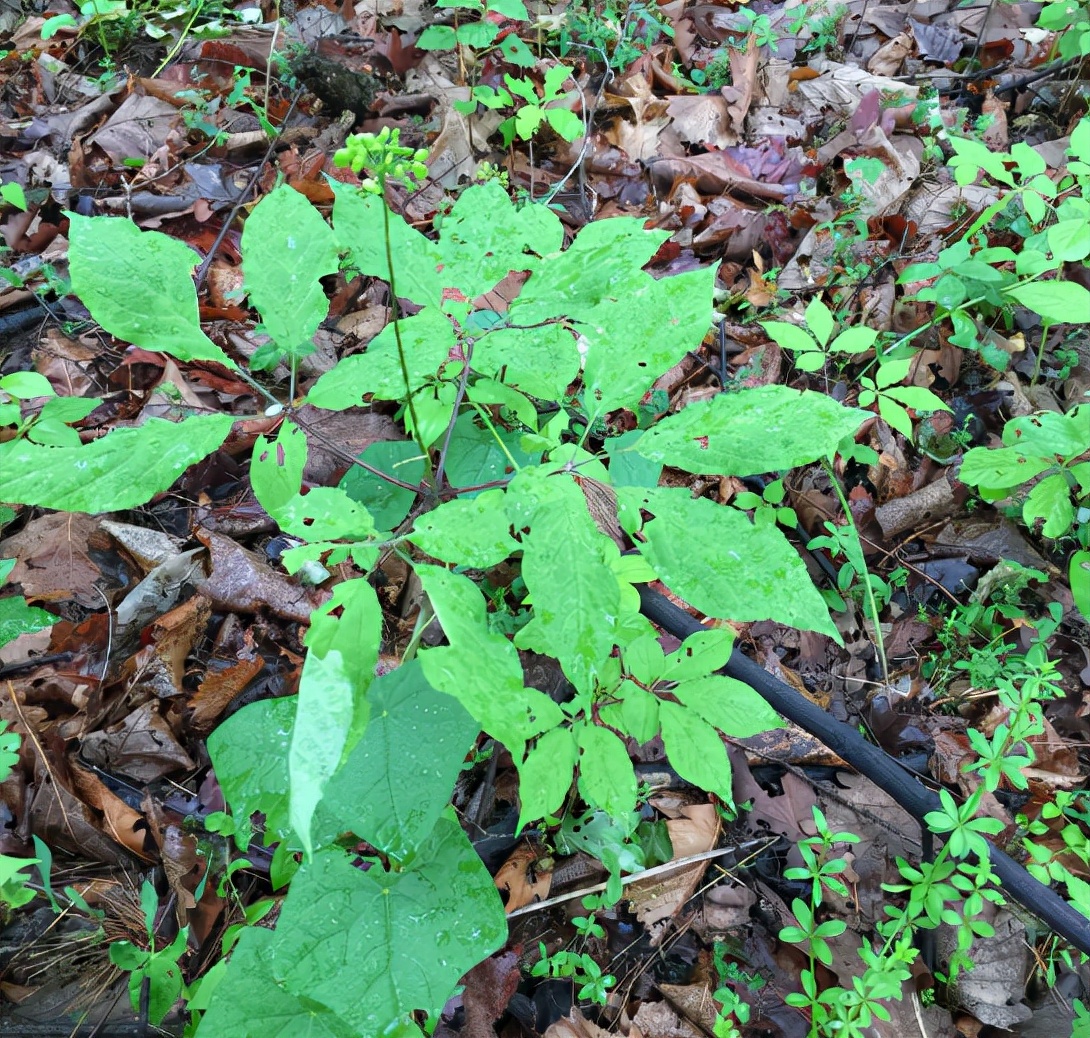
[976, 282]
[618, 33]
[814, 346]
[481, 34]
[844, 540]
[579, 966]
[17, 617]
[768, 506]
[514, 461]
[1070, 20]
[201, 110]
[759, 27]
[818, 867]
[1046, 451]
[158, 968]
[520, 487]
[14, 887]
[822, 22]
[733, 1010]
[538, 108]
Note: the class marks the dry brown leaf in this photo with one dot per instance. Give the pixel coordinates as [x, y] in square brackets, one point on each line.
[663, 897]
[521, 878]
[242, 581]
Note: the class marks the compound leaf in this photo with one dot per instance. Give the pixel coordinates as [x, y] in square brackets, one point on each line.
[479, 668]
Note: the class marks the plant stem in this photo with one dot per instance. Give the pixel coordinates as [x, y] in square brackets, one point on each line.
[429, 475]
[872, 605]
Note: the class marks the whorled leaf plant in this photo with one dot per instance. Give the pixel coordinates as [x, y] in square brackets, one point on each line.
[361, 946]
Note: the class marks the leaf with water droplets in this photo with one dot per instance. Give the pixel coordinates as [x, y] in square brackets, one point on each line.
[359, 950]
[747, 572]
[413, 731]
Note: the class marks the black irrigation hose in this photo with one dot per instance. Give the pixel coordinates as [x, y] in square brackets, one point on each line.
[877, 765]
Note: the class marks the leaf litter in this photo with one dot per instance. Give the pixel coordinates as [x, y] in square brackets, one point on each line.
[797, 177]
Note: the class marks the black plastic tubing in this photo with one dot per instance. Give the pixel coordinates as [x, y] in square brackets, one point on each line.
[877, 765]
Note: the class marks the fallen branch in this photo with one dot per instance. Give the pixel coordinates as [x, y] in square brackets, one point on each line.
[877, 765]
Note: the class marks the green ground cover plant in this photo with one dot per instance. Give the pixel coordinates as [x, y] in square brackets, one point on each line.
[508, 462]
[527, 484]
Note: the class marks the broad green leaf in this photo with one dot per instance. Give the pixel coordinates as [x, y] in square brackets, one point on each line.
[68, 408]
[603, 836]
[729, 705]
[765, 429]
[276, 467]
[1060, 302]
[746, 572]
[476, 457]
[895, 415]
[541, 361]
[437, 37]
[286, 248]
[639, 712]
[997, 469]
[669, 317]
[477, 35]
[1069, 240]
[1050, 500]
[891, 372]
[157, 310]
[854, 340]
[414, 731]
[820, 321]
[249, 753]
[791, 337]
[323, 719]
[627, 468]
[576, 281]
[468, 531]
[428, 340]
[355, 951]
[250, 1003]
[1047, 434]
[360, 227]
[25, 385]
[350, 622]
[810, 361]
[515, 9]
[917, 397]
[566, 564]
[479, 668]
[12, 192]
[484, 237]
[643, 659]
[111, 473]
[695, 750]
[606, 778]
[490, 392]
[701, 653]
[325, 514]
[16, 617]
[565, 122]
[1079, 574]
[387, 502]
[546, 775]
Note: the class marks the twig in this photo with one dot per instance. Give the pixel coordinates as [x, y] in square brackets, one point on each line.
[636, 877]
